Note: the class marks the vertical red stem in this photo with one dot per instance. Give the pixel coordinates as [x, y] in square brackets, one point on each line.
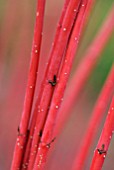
[32, 125]
[21, 139]
[59, 90]
[46, 89]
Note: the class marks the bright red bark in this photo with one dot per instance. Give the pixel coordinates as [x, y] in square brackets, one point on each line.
[32, 125]
[94, 123]
[21, 139]
[60, 87]
[104, 141]
[46, 89]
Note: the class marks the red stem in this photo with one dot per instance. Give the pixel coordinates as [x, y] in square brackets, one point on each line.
[21, 139]
[96, 117]
[104, 141]
[46, 90]
[59, 90]
[32, 125]
[83, 71]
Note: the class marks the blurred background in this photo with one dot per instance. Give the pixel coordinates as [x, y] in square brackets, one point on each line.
[16, 33]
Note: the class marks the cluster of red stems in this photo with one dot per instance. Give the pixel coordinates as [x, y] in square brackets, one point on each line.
[38, 131]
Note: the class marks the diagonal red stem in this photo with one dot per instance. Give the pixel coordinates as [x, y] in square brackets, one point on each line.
[104, 141]
[96, 117]
[83, 71]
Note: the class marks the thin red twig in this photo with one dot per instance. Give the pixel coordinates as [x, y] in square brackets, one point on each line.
[104, 141]
[96, 117]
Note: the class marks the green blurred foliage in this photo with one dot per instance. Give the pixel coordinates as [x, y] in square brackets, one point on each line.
[103, 67]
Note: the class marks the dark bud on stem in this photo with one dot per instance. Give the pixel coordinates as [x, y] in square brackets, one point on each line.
[40, 133]
[54, 82]
[101, 151]
[20, 134]
[49, 144]
[18, 131]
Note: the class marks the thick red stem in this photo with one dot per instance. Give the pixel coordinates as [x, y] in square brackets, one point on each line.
[47, 139]
[21, 139]
[46, 89]
[33, 121]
